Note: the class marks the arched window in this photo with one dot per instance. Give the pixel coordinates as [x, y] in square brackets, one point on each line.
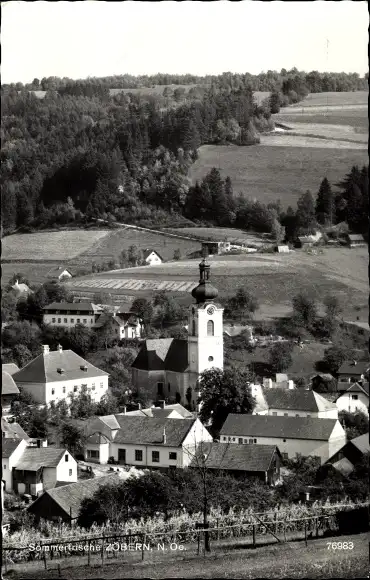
[210, 328]
[193, 328]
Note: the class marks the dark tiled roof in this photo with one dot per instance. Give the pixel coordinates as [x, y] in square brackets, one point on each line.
[361, 442]
[10, 368]
[148, 251]
[235, 457]
[8, 446]
[8, 386]
[43, 369]
[149, 430]
[296, 399]
[57, 271]
[163, 354]
[69, 497]
[73, 306]
[35, 457]
[357, 388]
[356, 237]
[286, 427]
[349, 368]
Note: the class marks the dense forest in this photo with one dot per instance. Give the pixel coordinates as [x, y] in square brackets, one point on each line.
[84, 151]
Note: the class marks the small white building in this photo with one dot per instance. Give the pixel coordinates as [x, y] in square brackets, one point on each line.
[9, 392]
[355, 398]
[293, 436]
[22, 290]
[12, 449]
[124, 324]
[60, 273]
[151, 257]
[144, 441]
[39, 468]
[292, 403]
[57, 375]
[351, 372]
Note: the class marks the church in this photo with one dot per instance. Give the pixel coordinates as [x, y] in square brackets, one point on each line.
[169, 368]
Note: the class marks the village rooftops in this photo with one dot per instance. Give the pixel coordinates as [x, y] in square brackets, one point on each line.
[296, 399]
[279, 427]
[33, 458]
[355, 237]
[234, 457]
[73, 307]
[163, 353]
[56, 366]
[69, 497]
[357, 388]
[8, 386]
[354, 367]
[361, 442]
[12, 430]
[9, 445]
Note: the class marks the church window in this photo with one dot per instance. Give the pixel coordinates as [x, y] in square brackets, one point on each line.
[160, 388]
[210, 358]
[169, 387]
[193, 328]
[210, 328]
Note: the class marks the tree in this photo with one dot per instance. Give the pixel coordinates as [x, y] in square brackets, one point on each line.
[280, 356]
[332, 303]
[242, 304]
[56, 292]
[304, 306]
[144, 310]
[80, 339]
[177, 254]
[82, 406]
[325, 207]
[306, 213]
[102, 298]
[133, 255]
[72, 438]
[106, 334]
[334, 357]
[224, 392]
[355, 424]
[277, 231]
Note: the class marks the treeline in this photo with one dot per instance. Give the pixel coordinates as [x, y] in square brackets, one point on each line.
[80, 153]
[315, 81]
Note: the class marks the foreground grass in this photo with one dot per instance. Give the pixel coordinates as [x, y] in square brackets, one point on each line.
[293, 560]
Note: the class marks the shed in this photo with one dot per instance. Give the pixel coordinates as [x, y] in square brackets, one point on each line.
[355, 240]
[152, 257]
[282, 249]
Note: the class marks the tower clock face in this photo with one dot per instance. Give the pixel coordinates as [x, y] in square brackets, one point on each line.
[210, 310]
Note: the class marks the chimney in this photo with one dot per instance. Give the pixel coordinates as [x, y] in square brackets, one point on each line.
[162, 404]
[124, 410]
[45, 349]
[139, 406]
[354, 363]
[60, 348]
[16, 283]
[290, 384]
[164, 436]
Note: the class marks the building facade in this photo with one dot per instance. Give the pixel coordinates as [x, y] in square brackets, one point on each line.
[58, 375]
[68, 314]
[354, 399]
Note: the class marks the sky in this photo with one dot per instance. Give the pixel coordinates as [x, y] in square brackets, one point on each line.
[95, 38]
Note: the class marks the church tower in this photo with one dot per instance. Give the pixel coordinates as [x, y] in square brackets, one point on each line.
[205, 331]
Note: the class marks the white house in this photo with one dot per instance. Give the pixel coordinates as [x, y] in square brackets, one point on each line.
[12, 430]
[57, 375]
[68, 314]
[12, 449]
[22, 290]
[60, 273]
[124, 324]
[355, 398]
[351, 372]
[169, 368]
[151, 257]
[292, 403]
[40, 468]
[307, 436]
[144, 441]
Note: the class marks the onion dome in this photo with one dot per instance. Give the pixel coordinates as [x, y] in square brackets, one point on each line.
[205, 291]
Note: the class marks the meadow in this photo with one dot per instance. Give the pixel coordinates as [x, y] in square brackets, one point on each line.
[60, 245]
[273, 278]
[268, 173]
[350, 98]
[220, 234]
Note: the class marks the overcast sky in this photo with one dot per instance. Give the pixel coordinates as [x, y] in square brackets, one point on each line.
[95, 38]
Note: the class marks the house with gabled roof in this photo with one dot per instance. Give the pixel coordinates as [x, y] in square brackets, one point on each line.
[294, 403]
[10, 368]
[40, 468]
[152, 257]
[143, 441]
[22, 290]
[306, 436]
[12, 449]
[124, 324]
[261, 462]
[169, 368]
[64, 502]
[59, 273]
[355, 240]
[346, 459]
[57, 375]
[354, 399]
[352, 371]
[69, 314]
[12, 430]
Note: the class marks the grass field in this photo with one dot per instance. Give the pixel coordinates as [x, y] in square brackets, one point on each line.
[112, 245]
[334, 99]
[292, 560]
[35, 272]
[274, 278]
[62, 245]
[282, 172]
[220, 234]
